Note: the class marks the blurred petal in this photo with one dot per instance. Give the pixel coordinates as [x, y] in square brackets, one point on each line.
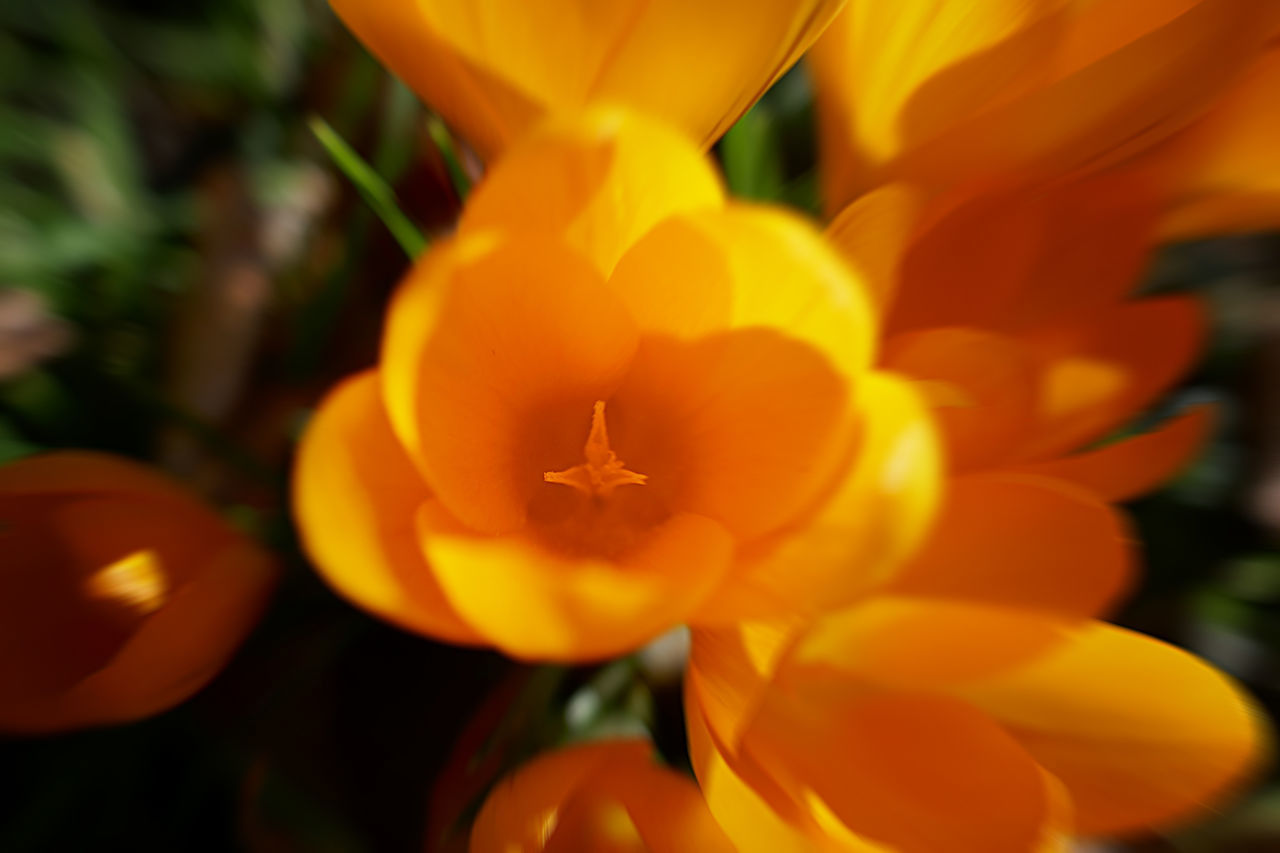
[873, 235]
[1023, 542]
[879, 512]
[481, 339]
[533, 603]
[1221, 174]
[1098, 376]
[1142, 734]
[1005, 87]
[1126, 469]
[608, 795]
[491, 69]
[355, 495]
[916, 772]
[981, 387]
[598, 181]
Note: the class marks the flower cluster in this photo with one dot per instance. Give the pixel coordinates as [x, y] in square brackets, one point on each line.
[862, 463]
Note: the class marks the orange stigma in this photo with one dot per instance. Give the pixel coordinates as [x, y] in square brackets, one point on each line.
[603, 471]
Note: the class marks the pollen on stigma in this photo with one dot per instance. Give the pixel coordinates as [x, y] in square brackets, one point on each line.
[603, 471]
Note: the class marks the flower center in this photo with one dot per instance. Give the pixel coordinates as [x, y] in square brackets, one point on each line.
[603, 471]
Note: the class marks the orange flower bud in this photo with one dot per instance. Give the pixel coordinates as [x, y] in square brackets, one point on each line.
[494, 69]
[611, 404]
[609, 795]
[120, 594]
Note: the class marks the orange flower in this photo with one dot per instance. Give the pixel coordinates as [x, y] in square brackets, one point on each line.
[942, 94]
[609, 795]
[120, 595]
[611, 404]
[868, 731]
[493, 69]
[1011, 308]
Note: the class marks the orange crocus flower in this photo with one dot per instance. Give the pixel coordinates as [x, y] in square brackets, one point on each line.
[949, 731]
[942, 94]
[1012, 308]
[120, 594]
[493, 68]
[609, 795]
[612, 403]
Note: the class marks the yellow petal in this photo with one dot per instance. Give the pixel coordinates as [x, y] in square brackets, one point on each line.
[492, 68]
[1142, 734]
[483, 337]
[355, 495]
[878, 513]
[597, 181]
[533, 603]
[1021, 88]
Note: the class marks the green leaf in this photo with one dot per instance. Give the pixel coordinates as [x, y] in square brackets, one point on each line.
[444, 143]
[752, 157]
[371, 186]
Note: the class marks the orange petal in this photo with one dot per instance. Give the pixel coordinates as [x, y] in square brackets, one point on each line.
[597, 181]
[1100, 375]
[1142, 734]
[355, 495]
[491, 71]
[748, 819]
[873, 234]
[1128, 468]
[768, 375]
[1021, 88]
[981, 386]
[916, 772]
[878, 513]
[535, 604]
[601, 796]
[1022, 541]
[481, 339]
[1221, 174]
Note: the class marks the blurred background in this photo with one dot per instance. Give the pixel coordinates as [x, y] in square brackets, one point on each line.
[190, 256]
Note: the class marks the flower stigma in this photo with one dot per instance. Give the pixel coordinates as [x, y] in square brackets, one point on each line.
[603, 471]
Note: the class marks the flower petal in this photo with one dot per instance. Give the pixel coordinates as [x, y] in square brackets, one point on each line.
[1024, 542]
[1141, 733]
[1128, 468]
[355, 495]
[1221, 174]
[598, 181]
[535, 604]
[916, 772]
[1100, 375]
[491, 70]
[878, 513]
[494, 354]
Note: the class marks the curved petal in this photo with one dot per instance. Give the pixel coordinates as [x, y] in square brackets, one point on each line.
[494, 354]
[1221, 174]
[879, 512]
[491, 69]
[597, 181]
[171, 656]
[533, 603]
[981, 386]
[1128, 468]
[355, 496]
[749, 820]
[916, 772]
[584, 797]
[1024, 542]
[873, 234]
[1141, 733]
[1041, 88]
[742, 267]
[86, 473]
[1099, 375]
